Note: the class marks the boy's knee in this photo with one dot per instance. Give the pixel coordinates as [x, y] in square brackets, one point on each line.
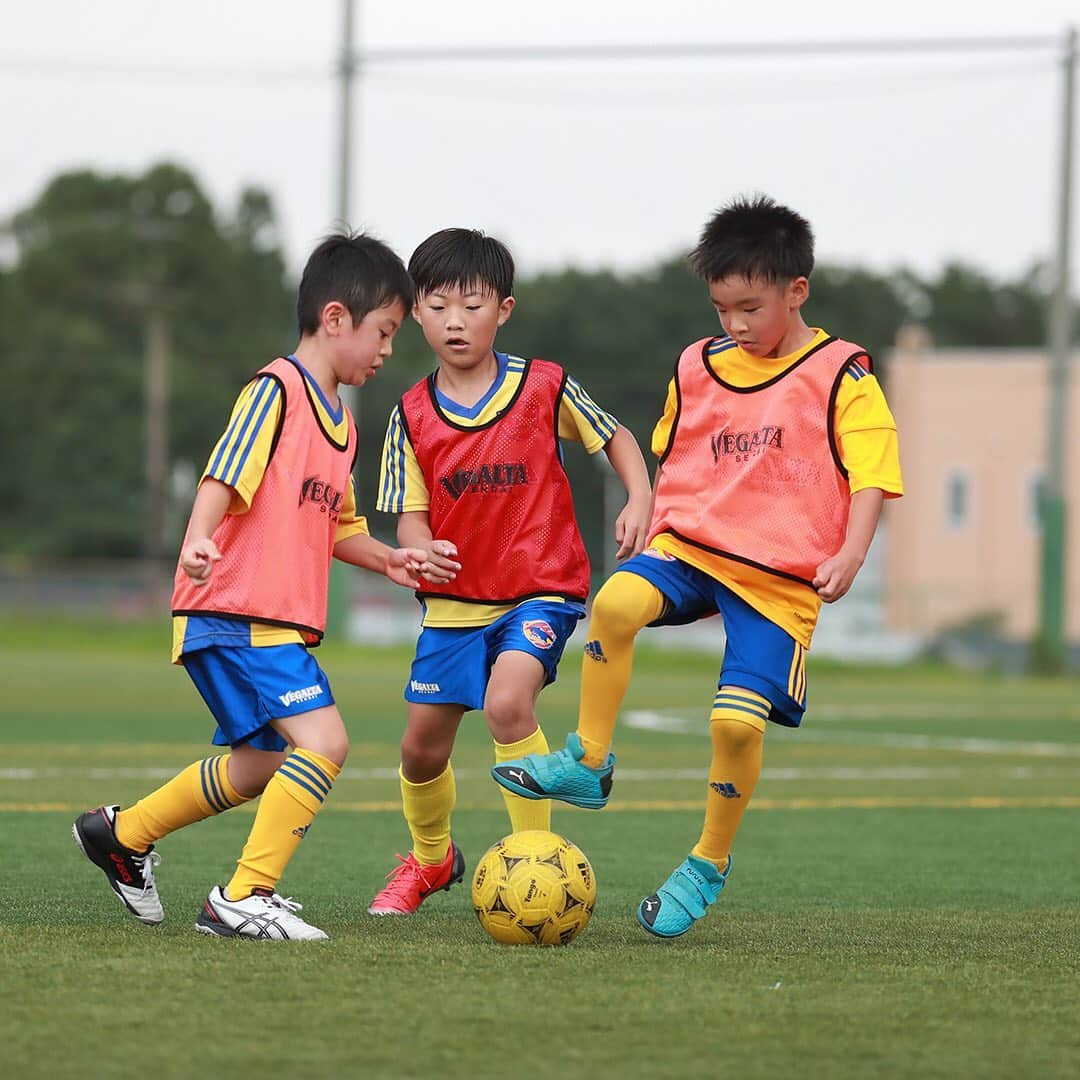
[735, 733]
[624, 605]
[510, 715]
[421, 761]
[332, 745]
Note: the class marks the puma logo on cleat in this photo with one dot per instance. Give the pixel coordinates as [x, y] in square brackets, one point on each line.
[650, 904]
[517, 774]
[727, 791]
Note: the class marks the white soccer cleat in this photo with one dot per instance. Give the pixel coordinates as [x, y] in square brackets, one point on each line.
[130, 874]
[265, 916]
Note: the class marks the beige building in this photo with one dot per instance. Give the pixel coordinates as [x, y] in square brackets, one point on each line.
[963, 543]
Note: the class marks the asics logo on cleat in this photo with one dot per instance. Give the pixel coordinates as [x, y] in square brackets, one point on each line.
[122, 871]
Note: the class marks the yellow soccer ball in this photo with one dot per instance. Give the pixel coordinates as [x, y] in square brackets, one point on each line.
[534, 888]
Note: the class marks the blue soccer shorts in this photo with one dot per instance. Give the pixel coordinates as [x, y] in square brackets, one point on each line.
[453, 664]
[759, 655]
[247, 686]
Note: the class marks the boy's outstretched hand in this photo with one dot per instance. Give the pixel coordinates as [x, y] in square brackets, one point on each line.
[834, 576]
[632, 526]
[404, 566]
[439, 561]
[197, 559]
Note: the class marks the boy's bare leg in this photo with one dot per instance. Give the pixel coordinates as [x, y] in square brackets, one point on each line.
[510, 706]
[293, 795]
[428, 791]
[428, 794]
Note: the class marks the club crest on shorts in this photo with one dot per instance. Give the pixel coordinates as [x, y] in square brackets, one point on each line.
[539, 633]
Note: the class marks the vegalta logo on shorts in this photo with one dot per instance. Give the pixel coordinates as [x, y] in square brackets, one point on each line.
[539, 633]
[308, 693]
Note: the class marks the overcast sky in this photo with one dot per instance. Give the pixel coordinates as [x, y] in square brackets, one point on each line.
[896, 160]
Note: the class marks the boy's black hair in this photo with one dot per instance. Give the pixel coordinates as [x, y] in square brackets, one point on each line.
[355, 269]
[754, 237]
[464, 259]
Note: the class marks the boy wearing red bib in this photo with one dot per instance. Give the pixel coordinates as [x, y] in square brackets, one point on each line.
[473, 467]
[776, 450]
[275, 503]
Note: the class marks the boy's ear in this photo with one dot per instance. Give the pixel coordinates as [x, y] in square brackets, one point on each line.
[416, 311]
[334, 317]
[797, 291]
[505, 307]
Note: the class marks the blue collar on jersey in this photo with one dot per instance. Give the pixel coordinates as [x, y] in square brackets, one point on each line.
[473, 411]
[334, 414]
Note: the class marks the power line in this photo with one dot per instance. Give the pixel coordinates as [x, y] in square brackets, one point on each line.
[807, 50]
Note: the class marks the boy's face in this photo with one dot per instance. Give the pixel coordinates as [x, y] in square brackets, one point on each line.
[361, 349]
[759, 316]
[460, 325]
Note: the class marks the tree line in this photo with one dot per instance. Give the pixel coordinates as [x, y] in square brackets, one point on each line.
[106, 261]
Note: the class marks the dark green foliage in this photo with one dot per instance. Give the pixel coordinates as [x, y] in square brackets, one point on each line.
[96, 252]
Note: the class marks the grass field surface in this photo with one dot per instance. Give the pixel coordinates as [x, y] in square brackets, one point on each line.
[905, 902]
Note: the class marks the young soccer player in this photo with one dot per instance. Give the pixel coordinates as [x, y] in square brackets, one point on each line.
[776, 450]
[276, 501]
[473, 467]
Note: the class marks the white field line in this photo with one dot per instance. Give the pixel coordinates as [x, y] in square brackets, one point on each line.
[791, 774]
[646, 720]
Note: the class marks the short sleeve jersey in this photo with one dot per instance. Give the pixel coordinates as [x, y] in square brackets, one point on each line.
[401, 480]
[239, 460]
[867, 441]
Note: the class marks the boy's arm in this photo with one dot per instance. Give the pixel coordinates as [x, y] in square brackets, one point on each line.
[401, 565]
[835, 575]
[632, 525]
[199, 552]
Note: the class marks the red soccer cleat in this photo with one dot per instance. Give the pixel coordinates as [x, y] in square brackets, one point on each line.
[411, 883]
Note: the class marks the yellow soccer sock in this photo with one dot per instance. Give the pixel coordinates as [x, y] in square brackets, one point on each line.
[290, 801]
[737, 727]
[427, 809]
[524, 813]
[200, 791]
[624, 604]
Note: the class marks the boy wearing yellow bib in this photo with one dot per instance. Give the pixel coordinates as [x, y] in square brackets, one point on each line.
[776, 451]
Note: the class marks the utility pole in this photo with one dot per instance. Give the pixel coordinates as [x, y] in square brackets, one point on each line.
[156, 436]
[347, 67]
[1049, 650]
[337, 608]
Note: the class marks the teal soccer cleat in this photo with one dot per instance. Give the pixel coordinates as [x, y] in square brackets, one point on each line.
[559, 775]
[683, 898]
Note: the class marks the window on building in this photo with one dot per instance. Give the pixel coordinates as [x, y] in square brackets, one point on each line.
[957, 499]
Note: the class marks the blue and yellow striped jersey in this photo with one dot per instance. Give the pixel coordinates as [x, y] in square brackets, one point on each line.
[239, 460]
[401, 480]
[866, 439]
